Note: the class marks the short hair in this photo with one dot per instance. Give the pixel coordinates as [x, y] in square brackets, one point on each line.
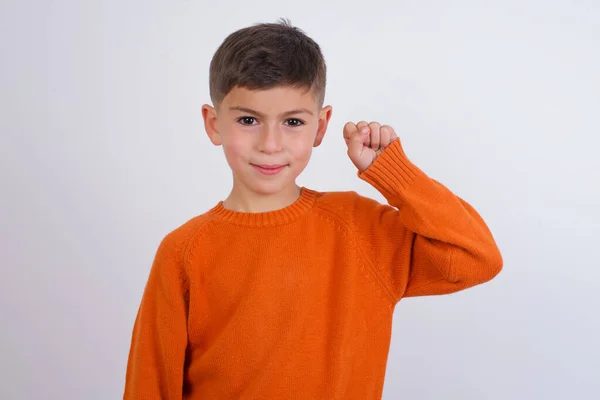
[267, 55]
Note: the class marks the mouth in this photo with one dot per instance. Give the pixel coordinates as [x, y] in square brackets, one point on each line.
[269, 169]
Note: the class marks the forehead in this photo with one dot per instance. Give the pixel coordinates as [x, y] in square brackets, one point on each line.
[273, 100]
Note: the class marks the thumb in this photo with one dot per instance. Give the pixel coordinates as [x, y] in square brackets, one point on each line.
[359, 154]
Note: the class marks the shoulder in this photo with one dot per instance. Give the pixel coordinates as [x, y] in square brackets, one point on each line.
[348, 206]
[347, 202]
[177, 242]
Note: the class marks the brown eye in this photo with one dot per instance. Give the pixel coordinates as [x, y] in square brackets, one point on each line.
[246, 120]
[295, 122]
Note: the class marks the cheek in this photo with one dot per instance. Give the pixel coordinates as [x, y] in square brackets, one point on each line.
[236, 150]
[302, 149]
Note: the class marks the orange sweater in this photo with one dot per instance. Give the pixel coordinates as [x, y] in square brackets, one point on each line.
[297, 303]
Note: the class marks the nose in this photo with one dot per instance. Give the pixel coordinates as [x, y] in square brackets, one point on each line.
[270, 140]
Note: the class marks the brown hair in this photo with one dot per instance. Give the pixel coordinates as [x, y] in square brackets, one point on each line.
[266, 55]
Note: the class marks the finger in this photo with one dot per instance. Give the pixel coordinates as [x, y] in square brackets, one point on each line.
[393, 135]
[355, 146]
[350, 129]
[362, 124]
[363, 127]
[358, 153]
[375, 128]
[385, 136]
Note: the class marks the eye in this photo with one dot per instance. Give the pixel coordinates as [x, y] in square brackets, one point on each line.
[246, 120]
[294, 122]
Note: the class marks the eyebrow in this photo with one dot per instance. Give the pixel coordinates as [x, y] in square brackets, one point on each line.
[284, 114]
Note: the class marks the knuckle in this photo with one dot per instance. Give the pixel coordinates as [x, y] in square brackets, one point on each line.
[388, 130]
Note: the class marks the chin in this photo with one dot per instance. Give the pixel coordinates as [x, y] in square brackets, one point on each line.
[270, 187]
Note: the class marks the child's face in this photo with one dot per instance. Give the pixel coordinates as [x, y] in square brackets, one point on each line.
[267, 135]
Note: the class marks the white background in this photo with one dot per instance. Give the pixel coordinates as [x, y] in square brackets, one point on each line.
[103, 152]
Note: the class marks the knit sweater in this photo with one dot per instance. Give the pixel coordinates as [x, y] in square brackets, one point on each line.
[297, 303]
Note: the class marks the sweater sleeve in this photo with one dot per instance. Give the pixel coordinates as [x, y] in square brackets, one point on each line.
[426, 241]
[159, 340]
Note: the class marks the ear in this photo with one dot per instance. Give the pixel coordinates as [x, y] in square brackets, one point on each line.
[324, 117]
[209, 114]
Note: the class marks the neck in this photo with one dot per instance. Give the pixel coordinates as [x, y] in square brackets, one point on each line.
[243, 199]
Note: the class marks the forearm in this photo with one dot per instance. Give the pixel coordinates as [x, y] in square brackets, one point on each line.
[450, 235]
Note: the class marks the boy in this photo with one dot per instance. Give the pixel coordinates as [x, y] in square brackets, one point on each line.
[279, 291]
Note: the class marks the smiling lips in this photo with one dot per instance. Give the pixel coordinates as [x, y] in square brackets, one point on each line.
[269, 169]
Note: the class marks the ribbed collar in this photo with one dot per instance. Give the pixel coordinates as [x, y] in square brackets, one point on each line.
[270, 218]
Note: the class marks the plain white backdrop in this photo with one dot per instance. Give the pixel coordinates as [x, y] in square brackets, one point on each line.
[103, 152]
